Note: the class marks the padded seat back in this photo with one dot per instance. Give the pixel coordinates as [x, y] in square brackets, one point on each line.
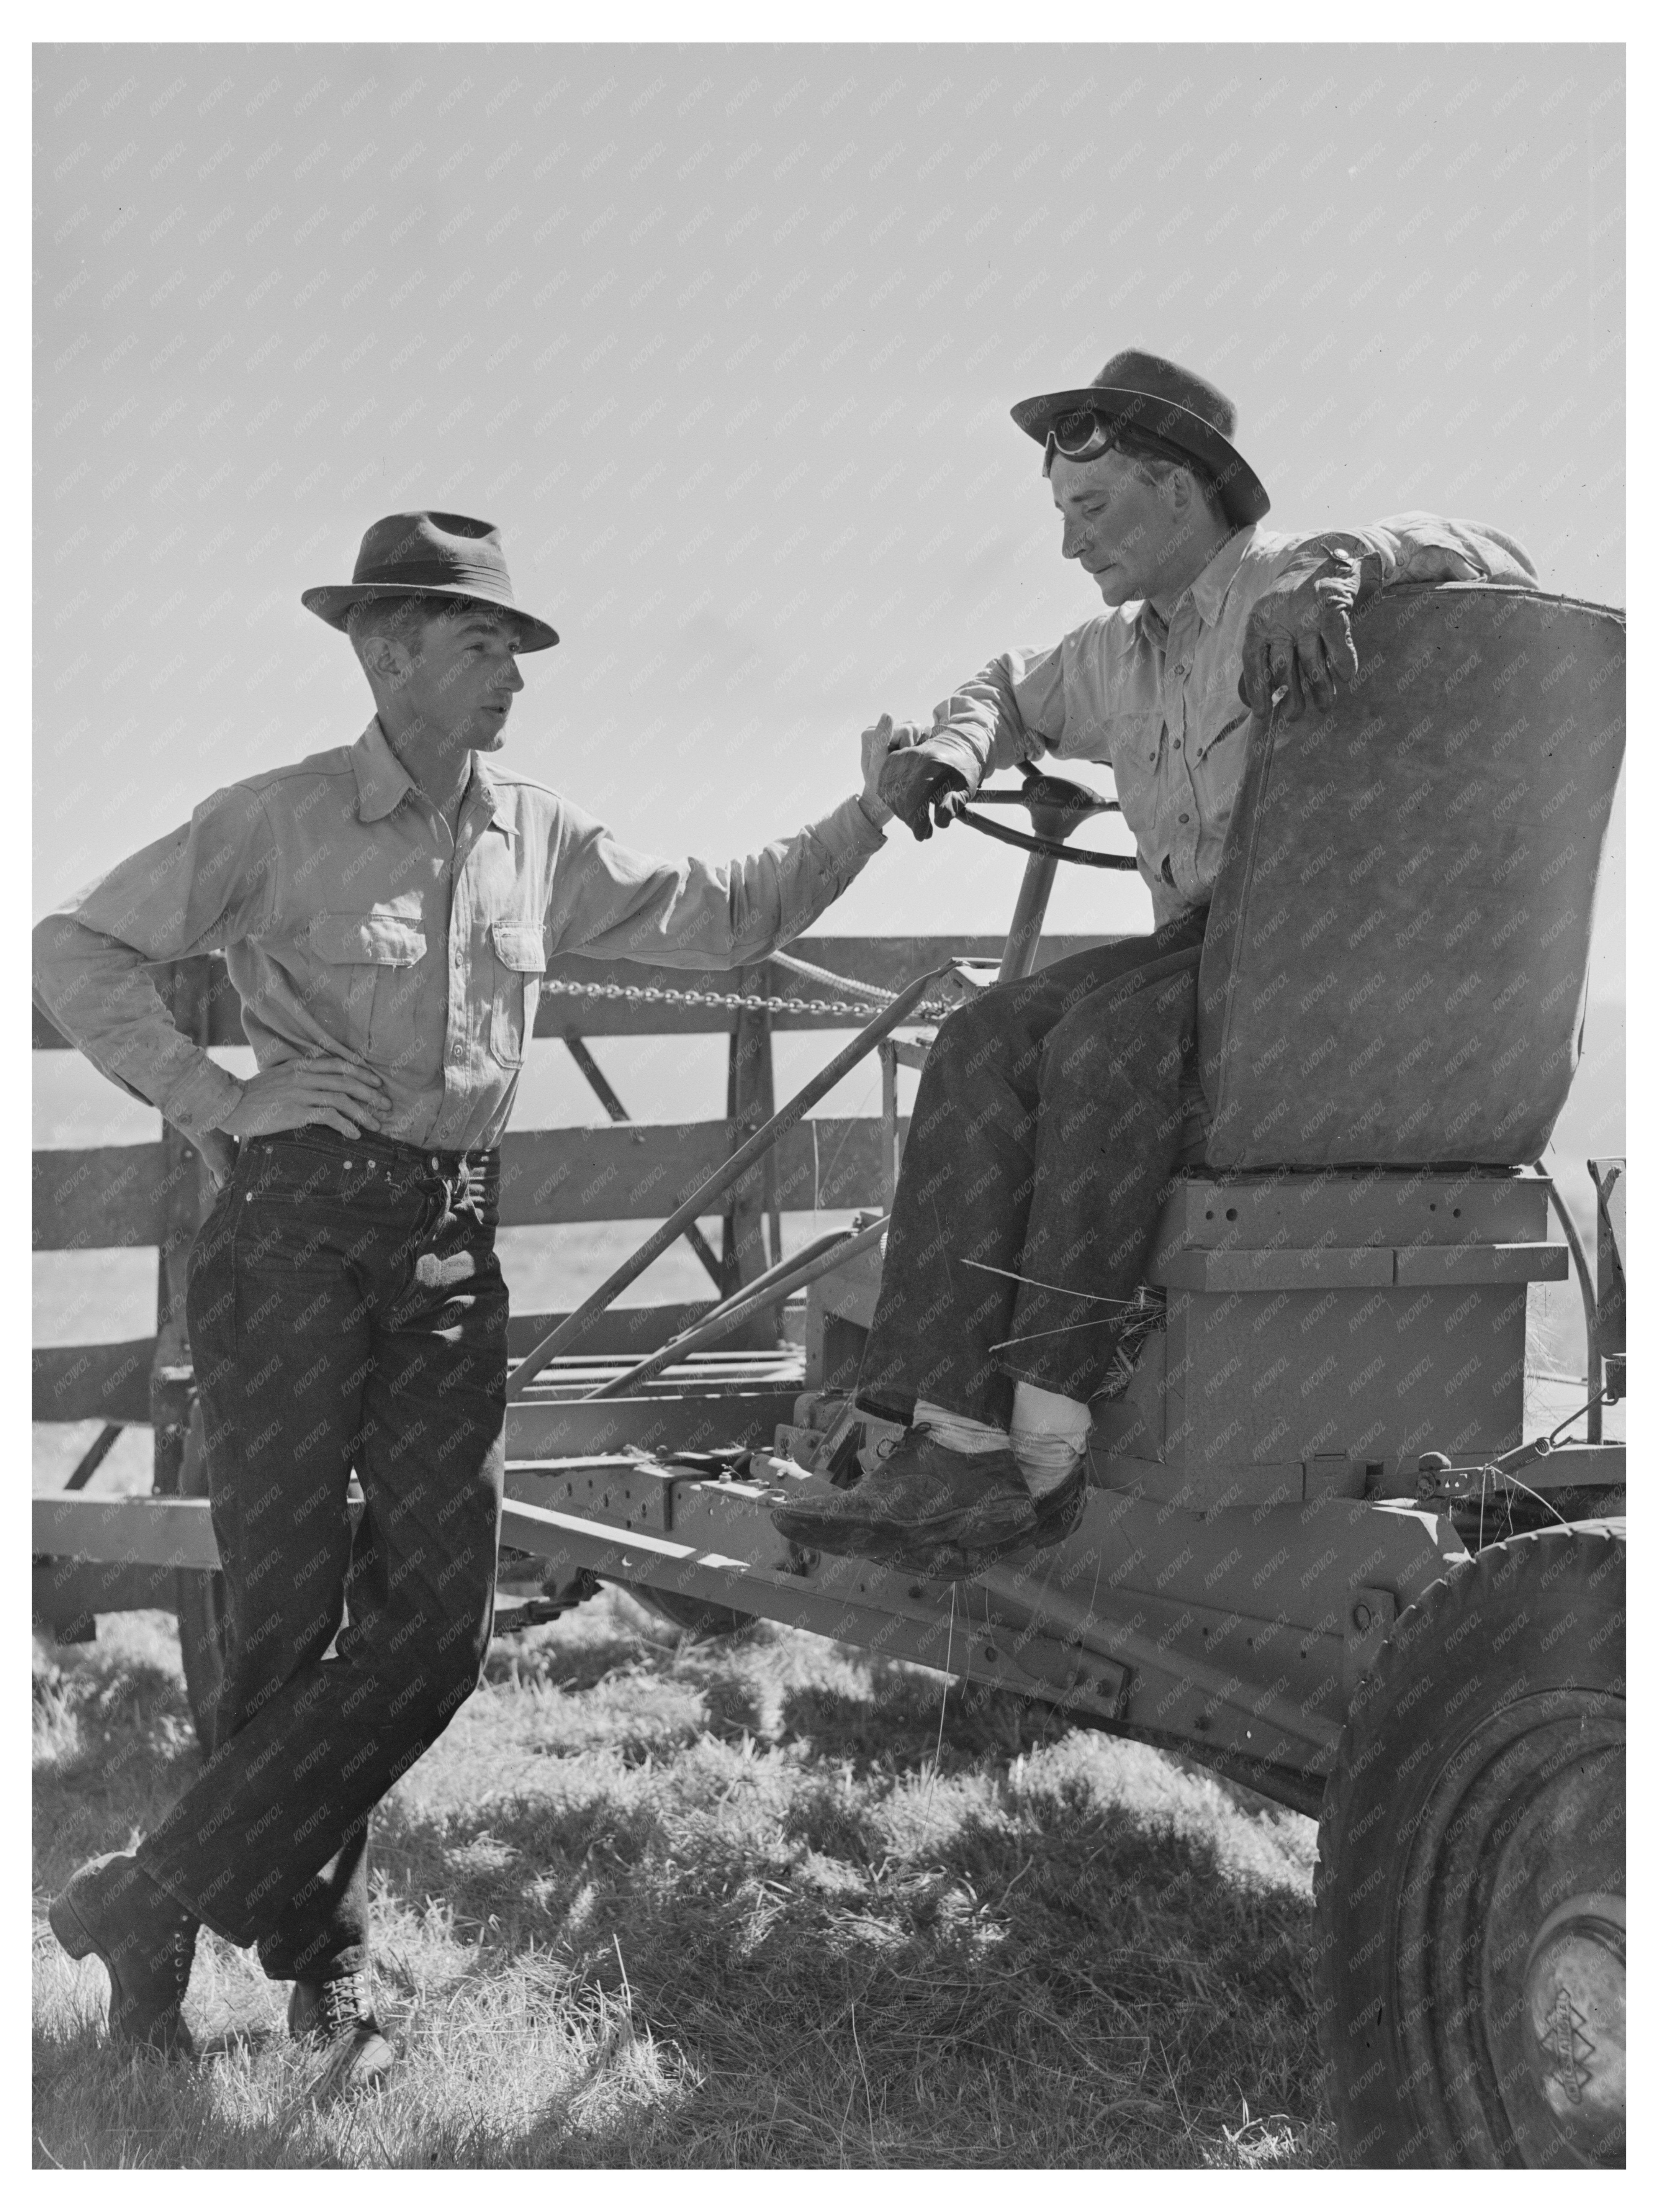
[1397, 952]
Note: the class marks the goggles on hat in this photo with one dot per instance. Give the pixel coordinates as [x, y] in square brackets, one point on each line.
[1086, 433]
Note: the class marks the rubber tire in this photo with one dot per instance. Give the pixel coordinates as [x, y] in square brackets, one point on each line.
[691, 1616]
[1467, 1673]
[199, 1601]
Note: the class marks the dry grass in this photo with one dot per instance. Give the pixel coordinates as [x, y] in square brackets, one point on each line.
[652, 1904]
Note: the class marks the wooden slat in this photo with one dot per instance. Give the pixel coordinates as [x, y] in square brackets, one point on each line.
[1363, 1267]
[163, 1532]
[1435, 1267]
[640, 1172]
[110, 1381]
[888, 961]
[109, 1194]
[626, 1331]
[113, 1194]
[91, 1381]
[67, 1595]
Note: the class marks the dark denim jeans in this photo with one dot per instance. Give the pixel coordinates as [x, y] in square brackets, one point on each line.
[1048, 1121]
[346, 1309]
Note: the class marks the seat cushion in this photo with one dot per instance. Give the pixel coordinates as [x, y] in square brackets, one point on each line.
[1397, 952]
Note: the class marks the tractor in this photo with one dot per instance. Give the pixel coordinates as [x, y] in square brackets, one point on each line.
[1319, 1553]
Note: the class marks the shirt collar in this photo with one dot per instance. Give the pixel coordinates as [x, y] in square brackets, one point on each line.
[1208, 589]
[383, 782]
[483, 792]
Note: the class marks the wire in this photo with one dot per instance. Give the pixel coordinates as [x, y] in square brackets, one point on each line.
[1033, 1282]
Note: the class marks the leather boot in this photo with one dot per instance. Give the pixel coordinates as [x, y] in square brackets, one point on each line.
[337, 2014]
[923, 1497]
[958, 1560]
[147, 1940]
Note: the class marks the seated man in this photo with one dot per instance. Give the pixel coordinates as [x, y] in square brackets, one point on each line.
[1052, 1113]
[386, 908]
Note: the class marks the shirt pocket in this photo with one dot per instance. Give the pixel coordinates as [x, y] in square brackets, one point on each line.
[519, 960]
[1139, 756]
[360, 954]
[1217, 767]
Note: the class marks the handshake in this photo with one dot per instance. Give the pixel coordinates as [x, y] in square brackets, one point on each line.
[902, 779]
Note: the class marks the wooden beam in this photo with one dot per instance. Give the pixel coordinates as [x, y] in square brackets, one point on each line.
[638, 1171]
[94, 1381]
[107, 1194]
[113, 1194]
[160, 1532]
[66, 1595]
[110, 1381]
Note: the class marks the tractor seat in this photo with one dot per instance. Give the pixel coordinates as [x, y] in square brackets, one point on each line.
[1390, 1012]
[1396, 960]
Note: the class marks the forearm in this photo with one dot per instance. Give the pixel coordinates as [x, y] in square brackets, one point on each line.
[777, 893]
[95, 989]
[1418, 547]
[1000, 716]
[695, 913]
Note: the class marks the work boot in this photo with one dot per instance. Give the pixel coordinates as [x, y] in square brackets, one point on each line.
[147, 1940]
[336, 2014]
[958, 1560]
[924, 1497]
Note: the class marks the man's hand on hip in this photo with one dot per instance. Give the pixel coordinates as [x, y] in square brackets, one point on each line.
[342, 1094]
[919, 789]
[1299, 637]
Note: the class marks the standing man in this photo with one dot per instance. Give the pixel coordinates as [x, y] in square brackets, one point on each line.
[1053, 1112]
[387, 909]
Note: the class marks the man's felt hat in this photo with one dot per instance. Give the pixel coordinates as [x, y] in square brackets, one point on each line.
[444, 556]
[1173, 404]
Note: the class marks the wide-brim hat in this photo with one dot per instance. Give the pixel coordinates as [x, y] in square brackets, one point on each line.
[442, 557]
[1168, 403]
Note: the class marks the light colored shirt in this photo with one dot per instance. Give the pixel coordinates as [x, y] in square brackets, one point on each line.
[351, 922]
[1159, 704]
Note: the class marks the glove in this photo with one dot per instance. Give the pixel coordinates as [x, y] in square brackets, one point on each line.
[921, 791]
[1299, 637]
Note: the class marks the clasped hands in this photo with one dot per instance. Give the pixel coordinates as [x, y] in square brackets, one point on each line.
[909, 782]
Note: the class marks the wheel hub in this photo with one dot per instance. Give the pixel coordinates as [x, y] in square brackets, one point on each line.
[1573, 1987]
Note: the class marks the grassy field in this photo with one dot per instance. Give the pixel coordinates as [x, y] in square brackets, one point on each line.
[756, 1904]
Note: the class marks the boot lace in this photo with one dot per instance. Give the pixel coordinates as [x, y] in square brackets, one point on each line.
[344, 2003]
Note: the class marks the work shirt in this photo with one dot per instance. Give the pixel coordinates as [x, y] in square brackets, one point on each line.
[1158, 702]
[352, 923]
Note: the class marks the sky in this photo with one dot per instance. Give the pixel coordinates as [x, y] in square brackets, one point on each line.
[725, 341]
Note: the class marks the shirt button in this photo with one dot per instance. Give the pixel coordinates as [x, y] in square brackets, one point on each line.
[1179, 742]
[1185, 817]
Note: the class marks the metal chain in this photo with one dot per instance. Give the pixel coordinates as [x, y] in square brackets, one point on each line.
[650, 995]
